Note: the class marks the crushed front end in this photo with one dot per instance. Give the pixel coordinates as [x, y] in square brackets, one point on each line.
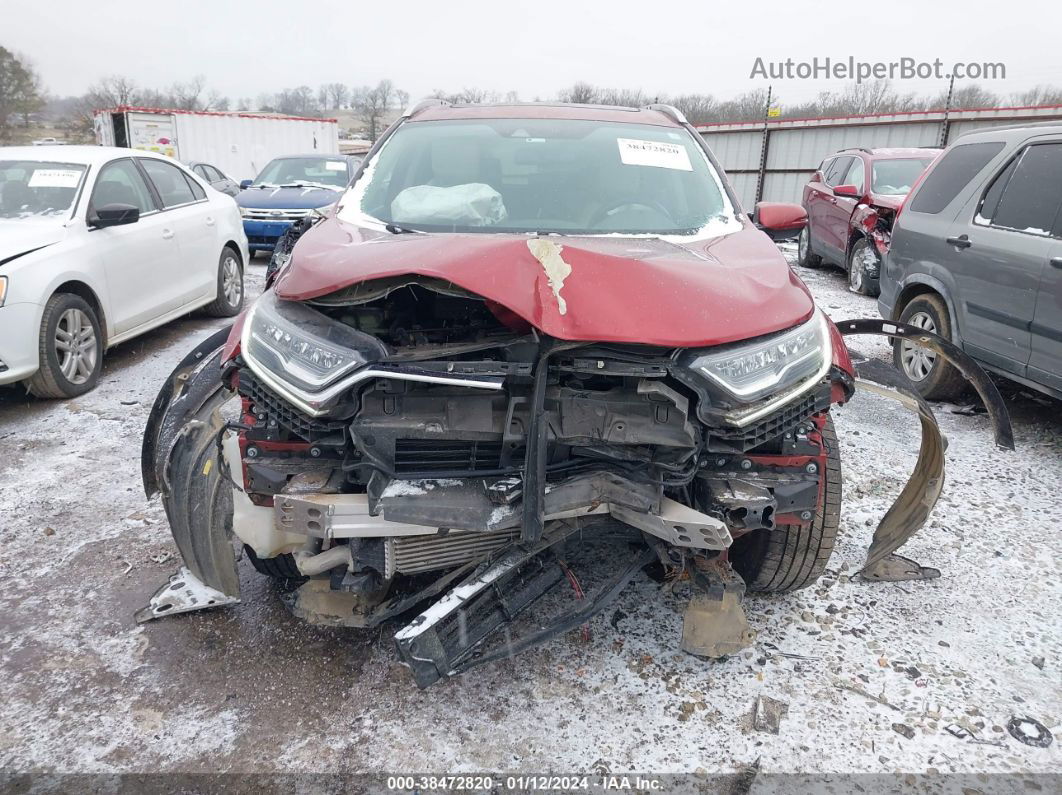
[407, 430]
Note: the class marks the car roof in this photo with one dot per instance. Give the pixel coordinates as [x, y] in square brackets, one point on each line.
[328, 155]
[891, 153]
[1012, 132]
[542, 110]
[87, 155]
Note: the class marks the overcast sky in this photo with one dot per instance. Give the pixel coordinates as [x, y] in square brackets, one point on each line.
[535, 48]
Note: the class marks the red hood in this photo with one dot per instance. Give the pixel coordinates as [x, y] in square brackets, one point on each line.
[629, 290]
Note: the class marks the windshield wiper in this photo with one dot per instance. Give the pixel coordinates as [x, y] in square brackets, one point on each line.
[395, 229]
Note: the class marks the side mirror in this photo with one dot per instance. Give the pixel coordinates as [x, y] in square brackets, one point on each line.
[846, 190]
[779, 220]
[246, 183]
[115, 215]
[817, 177]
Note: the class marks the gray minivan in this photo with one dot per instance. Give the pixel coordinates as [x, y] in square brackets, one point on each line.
[976, 256]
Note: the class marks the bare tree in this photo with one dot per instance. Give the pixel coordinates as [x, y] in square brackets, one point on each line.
[1040, 95]
[697, 108]
[580, 93]
[333, 95]
[186, 96]
[299, 101]
[972, 96]
[372, 105]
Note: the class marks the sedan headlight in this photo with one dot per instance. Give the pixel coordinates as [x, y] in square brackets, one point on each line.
[245, 212]
[754, 378]
[300, 352]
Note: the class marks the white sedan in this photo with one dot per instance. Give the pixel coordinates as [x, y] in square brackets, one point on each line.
[98, 245]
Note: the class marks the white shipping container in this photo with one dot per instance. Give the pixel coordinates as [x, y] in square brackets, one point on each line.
[240, 144]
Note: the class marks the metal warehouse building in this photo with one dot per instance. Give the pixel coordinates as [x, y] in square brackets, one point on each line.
[771, 160]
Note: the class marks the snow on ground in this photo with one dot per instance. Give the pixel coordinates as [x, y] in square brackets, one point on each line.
[873, 673]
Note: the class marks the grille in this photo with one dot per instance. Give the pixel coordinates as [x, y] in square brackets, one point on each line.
[435, 455]
[774, 425]
[275, 215]
[263, 400]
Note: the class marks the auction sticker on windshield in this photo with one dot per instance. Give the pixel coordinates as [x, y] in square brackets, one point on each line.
[658, 154]
[335, 165]
[54, 178]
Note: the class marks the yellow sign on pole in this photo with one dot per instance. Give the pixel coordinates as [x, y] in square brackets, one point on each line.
[773, 113]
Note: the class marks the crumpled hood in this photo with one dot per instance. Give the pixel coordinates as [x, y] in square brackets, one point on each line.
[286, 198]
[17, 237]
[889, 202]
[608, 289]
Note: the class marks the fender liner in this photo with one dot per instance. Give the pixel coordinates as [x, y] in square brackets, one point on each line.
[180, 460]
[911, 509]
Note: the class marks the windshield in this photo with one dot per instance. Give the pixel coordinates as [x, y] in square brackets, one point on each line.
[36, 188]
[305, 172]
[896, 177]
[541, 175]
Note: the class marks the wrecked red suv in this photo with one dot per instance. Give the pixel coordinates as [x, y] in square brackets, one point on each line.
[851, 201]
[530, 347]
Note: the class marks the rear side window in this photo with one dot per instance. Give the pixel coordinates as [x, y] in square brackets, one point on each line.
[1027, 194]
[212, 174]
[954, 171]
[169, 181]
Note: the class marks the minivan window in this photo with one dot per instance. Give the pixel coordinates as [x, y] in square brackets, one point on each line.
[1029, 192]
[953, 173]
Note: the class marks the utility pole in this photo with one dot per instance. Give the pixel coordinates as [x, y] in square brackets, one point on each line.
[764, 146]
[946, 125]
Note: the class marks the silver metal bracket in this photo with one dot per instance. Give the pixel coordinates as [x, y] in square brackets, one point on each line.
[183, 593]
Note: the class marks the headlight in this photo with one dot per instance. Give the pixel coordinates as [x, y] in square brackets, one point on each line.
[300, 352]
[245, 212]
[3, 289]
[751, 373]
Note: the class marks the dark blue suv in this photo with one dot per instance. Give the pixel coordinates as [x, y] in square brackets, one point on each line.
[290, 188]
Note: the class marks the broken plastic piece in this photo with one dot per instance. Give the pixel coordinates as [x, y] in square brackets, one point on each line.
[183, 593]
[896, 568]
[714, 624]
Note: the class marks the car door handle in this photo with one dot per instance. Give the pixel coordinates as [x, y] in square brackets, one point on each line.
[167, 234]
[210, 220]
[1056, 262]
[960, 242]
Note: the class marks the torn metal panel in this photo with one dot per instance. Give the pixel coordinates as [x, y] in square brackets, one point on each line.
[183, 593]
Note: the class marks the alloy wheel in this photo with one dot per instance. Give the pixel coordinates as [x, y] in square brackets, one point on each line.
[231, 283]
[917, 360]
[75, 346]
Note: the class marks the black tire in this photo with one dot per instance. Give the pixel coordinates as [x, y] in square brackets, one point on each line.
[83, 363]
[793, 557]
[942, 381]
[229, 300]
[859, 281]
[282, 568]
[805, 258]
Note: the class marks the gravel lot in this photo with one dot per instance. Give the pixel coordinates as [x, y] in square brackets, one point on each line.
[251, 689]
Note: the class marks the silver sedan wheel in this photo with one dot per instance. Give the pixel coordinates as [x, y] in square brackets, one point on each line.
[918, 361]
[231, 281]
[75, 346]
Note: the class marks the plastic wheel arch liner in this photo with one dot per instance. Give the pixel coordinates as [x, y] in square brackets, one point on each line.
[911, 509]
[179, 459]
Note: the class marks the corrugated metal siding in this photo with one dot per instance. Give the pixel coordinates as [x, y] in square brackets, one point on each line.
[797, 146]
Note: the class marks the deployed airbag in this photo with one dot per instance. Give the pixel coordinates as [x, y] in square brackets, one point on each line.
[472, 204]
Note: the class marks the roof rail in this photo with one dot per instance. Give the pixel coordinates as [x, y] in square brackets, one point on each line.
[417, 107]
[668, 110]
[858, 149]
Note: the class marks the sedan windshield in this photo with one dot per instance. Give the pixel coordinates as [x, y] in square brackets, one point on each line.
[36, 188]
[562, 176]
[304, 172]
[896, 177]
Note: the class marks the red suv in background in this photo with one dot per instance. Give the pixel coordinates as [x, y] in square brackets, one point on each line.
[851, 202]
